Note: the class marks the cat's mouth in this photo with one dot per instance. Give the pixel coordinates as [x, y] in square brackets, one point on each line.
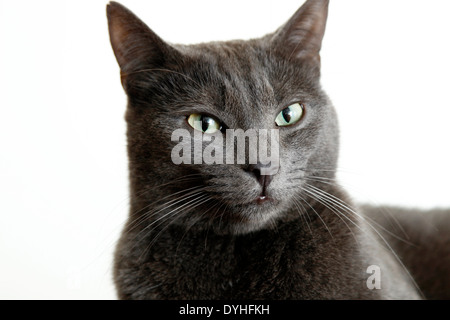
[262, 198]
[264, 181]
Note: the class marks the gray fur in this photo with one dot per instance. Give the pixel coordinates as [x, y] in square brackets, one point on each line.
[195, 231]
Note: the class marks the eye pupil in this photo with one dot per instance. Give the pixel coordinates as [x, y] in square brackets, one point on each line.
[287, 114]
[205, 123]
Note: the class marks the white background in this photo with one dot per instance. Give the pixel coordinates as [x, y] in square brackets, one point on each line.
[63, 166]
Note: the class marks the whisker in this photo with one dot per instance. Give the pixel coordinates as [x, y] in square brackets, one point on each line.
[192, 224]
[137, 222]
[324, 169]
[331, 206]
[222, 214]
[145, 229]
[302, 214]
[199, 201]
[363, 218]
[174, 181]
[333, 182]
[318, 215]
[376, 231]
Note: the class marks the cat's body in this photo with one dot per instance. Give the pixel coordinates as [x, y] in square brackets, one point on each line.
[421, 240]
[225, 231]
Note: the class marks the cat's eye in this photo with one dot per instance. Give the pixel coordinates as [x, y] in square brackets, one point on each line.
[289, 115]
[203, 123]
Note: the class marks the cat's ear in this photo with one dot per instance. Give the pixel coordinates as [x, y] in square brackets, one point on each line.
[134, 44]
[301, 37]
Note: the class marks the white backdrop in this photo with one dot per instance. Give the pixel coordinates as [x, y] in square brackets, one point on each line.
[63, 166]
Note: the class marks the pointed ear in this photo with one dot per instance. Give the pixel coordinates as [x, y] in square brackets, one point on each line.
[134, 44]
[301, 37]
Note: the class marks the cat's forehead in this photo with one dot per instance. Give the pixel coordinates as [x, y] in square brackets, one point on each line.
[244, 76]
[236, 64]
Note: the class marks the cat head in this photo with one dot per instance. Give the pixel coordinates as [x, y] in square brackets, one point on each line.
[271, 83]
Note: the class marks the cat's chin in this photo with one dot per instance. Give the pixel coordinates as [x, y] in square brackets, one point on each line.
[261, 213]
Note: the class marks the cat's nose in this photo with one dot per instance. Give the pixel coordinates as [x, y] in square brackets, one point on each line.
[260, 172]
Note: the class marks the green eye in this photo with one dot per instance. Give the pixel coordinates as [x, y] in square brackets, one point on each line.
[203, 123]
[290, 115]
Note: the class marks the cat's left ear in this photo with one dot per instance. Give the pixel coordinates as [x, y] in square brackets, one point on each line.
[135, 45]
[301, 37]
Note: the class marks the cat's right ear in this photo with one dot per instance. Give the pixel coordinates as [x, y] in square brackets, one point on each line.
[135, 45]
[301, 37]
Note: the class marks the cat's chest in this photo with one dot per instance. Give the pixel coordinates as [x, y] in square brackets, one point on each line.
[244, 267]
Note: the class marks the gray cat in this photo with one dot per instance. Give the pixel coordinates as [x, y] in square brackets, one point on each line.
[232, 231]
